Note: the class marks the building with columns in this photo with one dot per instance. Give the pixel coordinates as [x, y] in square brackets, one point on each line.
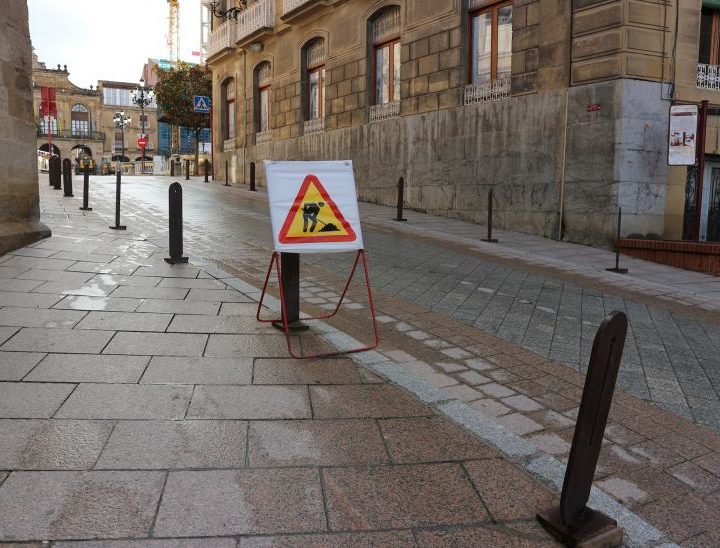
[562, 108]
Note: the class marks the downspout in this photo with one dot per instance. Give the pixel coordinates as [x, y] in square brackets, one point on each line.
[561, 204]
[245, 140]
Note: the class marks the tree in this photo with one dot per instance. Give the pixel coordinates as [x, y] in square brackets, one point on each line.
[175, 93]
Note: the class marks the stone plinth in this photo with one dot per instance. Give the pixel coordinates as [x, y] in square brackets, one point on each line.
[19, 201]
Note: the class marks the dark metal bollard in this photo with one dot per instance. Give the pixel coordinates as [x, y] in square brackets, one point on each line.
[617, 268]
[67, 178]
[187, 170]
[55, 173]
[227, 174]
[290, 279]
[176, 225]
[252, 177]
[401, 200]
[118, 181]
[86, 189]
[207, 171]
[489, 238]
[573, 523]
[172, 168]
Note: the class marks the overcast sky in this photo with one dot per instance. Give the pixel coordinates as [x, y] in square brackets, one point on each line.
[108, 39]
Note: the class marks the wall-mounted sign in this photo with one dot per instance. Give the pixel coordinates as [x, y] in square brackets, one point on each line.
[594, 107]
[683, 135]
[313, 206]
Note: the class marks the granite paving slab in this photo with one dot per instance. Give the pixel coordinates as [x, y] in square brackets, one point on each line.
[68, 341]
[167, 370]
[140, 292]
[126, 401]
[166, 445]
[291, 371]
[15, 365]
[55, 276]
[218, 324]
[90, 288]
[241, 502]
[81, 368]
[79, 505]
[178, 307]
[238, 309]
[36, 317]
[209, 542]
[28, 300]
[109, 304]
[32, 400]
[157, 344]
[249, 402]
[396, 539]
[218, 295]
[364, 401]
[51, 444]
[18, 285]
[125, 321]
[258, 346]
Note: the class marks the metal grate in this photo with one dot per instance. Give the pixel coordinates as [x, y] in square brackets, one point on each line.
[314, 126]
[263, 137]
[708, 76]
[487, 91]
[290, 5]
[386, 111]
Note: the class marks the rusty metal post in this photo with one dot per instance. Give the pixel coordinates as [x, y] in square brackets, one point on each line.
[617, 268]
[172, 167]
[253, 188]
[290, 280]
[118, 182]
[187, 170]
[67, 178]
[55, 172]
[227, 174]
[573, 523]
[489, 238]
[401, 200]
[207, 170]
[86, 188]
[176, 225]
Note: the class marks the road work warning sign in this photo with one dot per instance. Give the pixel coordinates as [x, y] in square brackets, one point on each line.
[313, 206]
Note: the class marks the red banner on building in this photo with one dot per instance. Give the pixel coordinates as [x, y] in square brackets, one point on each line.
[48, 105]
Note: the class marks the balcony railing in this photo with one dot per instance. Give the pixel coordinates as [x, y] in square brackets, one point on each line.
[386, 111]
[487, 91]
[260, 15]
[78, 135]
[708, 76]
[316, 125]
[290, 5]
[263, 137]
[221, 38]
[229, 145]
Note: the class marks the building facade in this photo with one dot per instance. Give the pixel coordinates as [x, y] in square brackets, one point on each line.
[562, 108]
[71, 120]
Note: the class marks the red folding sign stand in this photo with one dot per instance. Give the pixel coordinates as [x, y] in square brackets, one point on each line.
[275, 261]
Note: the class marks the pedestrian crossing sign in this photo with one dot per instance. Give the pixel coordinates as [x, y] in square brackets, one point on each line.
[202, 104]
[313, 206]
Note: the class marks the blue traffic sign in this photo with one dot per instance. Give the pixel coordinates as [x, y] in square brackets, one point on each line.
[202, 103]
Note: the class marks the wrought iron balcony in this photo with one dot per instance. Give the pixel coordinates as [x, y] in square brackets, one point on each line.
[488, 91]
[221, 38]
[708, 76]
[316, 125]
[254, 20]
[76, 135]
[386, 111]
[295, 9]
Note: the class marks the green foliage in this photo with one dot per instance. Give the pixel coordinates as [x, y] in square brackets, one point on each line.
[175, 92]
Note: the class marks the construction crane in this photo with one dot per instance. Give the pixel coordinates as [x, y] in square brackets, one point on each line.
[173, 37]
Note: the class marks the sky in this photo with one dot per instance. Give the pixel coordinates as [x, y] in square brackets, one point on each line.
[108, 39]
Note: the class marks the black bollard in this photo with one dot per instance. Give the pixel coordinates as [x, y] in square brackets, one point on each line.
[489, 238]
[227, 174]
[207, 171]
[573, 523]
[253, 188]
[67, 178]
[86, 189]
[617, 268]
[55, 173]
[118, 180]
[172, 168]
[176, 225]
[401, 200]
[290, 279]
[187, 170]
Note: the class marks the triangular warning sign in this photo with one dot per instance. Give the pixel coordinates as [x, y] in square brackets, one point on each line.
[315, 218]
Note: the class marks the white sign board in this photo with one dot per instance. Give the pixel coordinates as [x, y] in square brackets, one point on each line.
[313, 207]
[683, 135]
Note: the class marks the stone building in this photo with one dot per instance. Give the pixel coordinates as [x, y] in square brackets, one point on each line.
[561, 108]
[19, 200]
[80, 120]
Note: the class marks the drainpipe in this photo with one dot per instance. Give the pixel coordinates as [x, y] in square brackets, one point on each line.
[561, 204]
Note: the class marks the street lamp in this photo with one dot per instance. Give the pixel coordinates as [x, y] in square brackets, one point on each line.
[121, 122]
[142, 97]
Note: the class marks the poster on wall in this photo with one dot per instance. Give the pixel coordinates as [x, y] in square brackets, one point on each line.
[683, 135]
[313, 206]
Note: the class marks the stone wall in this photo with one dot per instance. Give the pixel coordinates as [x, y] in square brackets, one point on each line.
[19, 202]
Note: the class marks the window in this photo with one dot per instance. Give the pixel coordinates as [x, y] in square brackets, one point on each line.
[385, 36]
[227, 114]
[490, 43]
[314, 61]
[79, 121]
[121, 98]
[710, 37]
[263, 75]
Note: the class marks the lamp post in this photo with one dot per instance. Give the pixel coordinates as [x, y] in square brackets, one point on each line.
[121, 122]
[142, 97]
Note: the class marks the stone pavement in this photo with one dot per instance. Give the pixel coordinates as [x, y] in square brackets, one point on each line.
[143, 401]
[520, 405]
[548, 297]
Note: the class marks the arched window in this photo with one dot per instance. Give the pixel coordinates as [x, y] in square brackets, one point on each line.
[227, 113]
[79, 121]
[314, 72]
[384, 36]
[263, 79]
